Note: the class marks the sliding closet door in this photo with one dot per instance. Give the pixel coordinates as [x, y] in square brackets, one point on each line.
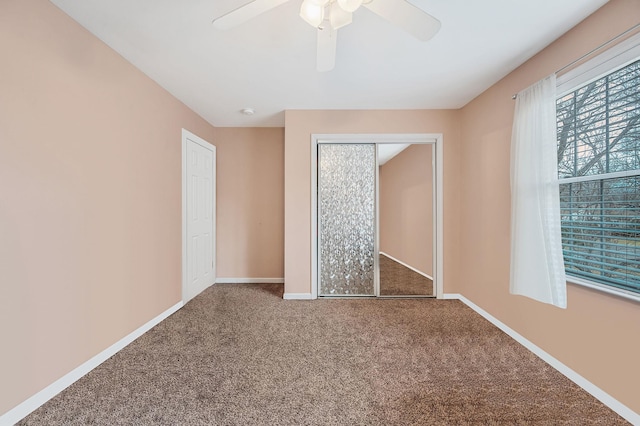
[347, 219]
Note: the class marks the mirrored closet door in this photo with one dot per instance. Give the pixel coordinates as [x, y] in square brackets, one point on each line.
[347, 219]
[375, 219]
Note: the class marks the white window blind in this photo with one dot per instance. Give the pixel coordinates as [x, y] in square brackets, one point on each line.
[598, 125]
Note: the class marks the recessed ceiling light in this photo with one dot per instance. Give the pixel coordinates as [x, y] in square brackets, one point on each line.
[248, 111]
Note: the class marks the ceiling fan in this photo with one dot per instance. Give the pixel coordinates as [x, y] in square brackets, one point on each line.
[330, 15]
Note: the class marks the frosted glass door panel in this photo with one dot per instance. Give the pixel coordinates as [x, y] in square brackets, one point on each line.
[346, 204]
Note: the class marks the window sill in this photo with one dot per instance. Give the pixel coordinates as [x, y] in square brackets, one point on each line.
[603, 288]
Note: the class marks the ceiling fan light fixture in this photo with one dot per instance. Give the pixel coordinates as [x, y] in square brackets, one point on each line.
[349, 5]
[312, 12]
[338, 16]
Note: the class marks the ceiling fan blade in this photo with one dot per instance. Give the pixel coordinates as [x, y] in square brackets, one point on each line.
[244, 13]
[410, 18]
[327, 39]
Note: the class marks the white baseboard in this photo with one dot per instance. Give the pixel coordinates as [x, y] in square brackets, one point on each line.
[406, 266]
[249, 280]
[297, 296]
[451, 296]
[624, 411]
[23, 409]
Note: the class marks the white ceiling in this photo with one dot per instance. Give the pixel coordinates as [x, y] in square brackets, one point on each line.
[386, 151]
[269, 63]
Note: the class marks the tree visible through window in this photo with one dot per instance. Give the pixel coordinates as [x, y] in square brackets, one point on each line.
[599, 171]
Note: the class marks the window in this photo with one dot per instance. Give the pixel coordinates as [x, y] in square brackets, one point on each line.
[599, 170]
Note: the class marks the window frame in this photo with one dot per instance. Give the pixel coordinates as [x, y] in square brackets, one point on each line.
[608, 62]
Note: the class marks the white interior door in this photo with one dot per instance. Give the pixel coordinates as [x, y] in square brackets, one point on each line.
[199, 164]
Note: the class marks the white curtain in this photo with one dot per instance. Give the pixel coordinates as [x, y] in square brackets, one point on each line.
[537, 265]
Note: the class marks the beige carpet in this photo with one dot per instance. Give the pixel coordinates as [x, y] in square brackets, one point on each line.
[240, 355]
[398, 280]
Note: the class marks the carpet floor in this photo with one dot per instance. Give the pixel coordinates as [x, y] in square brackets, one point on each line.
[398, 280]
[241, 355]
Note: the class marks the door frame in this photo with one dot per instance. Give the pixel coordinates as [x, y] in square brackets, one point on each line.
[382, 138]
[186, 137]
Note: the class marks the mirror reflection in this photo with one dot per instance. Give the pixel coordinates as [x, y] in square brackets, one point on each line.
[406, 219]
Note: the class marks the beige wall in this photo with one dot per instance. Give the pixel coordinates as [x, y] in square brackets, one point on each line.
[597, 335]
[300, 125]
[90, 204]
[250, 196]
[406, 207]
